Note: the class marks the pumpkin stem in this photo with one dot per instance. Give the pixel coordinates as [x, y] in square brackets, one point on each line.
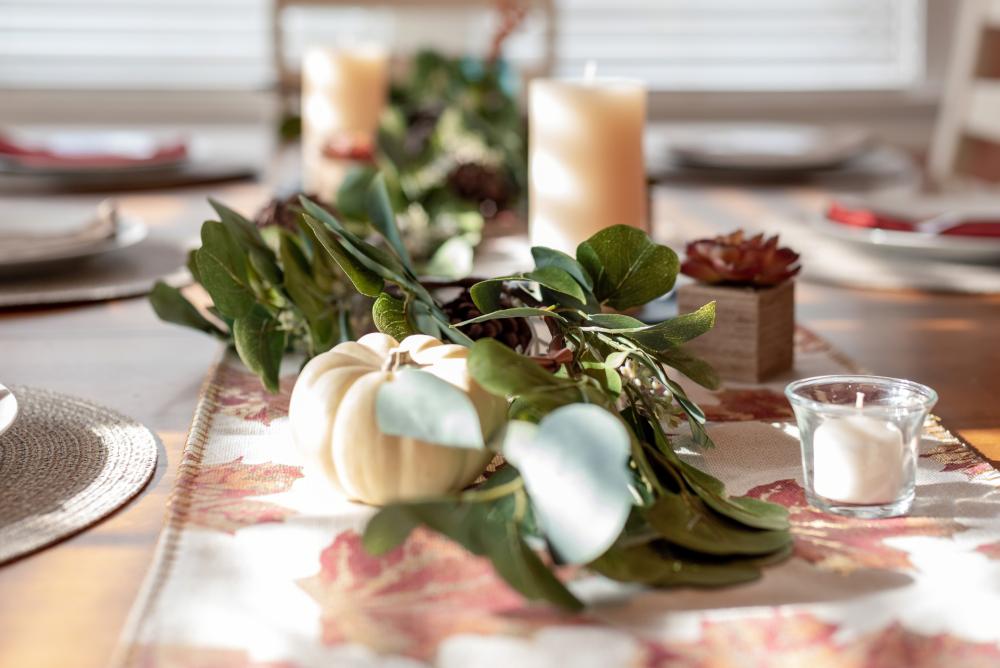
[397, 358]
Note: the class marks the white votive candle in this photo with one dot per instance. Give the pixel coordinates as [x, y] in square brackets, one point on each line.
[858, 459]
[586, 167]
[343, 94]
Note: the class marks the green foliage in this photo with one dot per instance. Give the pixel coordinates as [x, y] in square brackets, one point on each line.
[627, 269]
[575, 468]
[451, 145]
[594, 472]
[418, 404]
[270, 295]
[592, 475]
[389, 315]
[171, 306]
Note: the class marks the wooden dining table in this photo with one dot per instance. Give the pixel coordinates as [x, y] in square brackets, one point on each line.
[66, 605]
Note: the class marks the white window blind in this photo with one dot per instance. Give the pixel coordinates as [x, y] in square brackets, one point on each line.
[754, 45]
[135, 44]
[747, 44]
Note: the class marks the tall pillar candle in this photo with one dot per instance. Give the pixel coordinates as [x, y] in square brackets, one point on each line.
[586, 167]
[343, 95]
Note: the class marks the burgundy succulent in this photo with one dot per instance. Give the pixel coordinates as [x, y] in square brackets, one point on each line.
[734, 259]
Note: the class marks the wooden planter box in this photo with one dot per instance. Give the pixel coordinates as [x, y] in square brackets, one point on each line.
[754, 331]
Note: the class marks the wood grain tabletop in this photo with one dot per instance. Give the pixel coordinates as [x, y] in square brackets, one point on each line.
[65, 605]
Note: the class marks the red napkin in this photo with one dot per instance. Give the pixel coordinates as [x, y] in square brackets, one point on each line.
[28, 155]
[838, 212]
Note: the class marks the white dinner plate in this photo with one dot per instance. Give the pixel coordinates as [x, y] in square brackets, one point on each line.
[128, 232]
[953, 248]
[8, 409]
[772, 146]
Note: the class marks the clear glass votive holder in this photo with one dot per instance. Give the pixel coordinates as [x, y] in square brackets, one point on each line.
[860, 436]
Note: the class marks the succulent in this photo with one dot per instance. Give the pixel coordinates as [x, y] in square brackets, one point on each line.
[734, 259]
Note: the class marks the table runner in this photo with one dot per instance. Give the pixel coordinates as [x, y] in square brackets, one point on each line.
[260, 565]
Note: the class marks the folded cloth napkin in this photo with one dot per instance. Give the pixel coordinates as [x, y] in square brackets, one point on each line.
[33, 230]
[976, 225]
[91, 150]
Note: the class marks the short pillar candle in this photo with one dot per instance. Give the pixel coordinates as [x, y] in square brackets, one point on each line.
[343, 94]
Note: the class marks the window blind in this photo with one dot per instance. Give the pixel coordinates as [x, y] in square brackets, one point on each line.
[699, 45]
[135, 44]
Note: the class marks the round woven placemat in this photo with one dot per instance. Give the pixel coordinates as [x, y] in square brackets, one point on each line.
[64, 464]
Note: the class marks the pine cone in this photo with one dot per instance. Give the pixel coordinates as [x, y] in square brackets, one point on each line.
[513, 332]
[285, 212]
[480, 184]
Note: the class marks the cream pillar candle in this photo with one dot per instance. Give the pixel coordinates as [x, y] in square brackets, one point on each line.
[586, 163]
[343, 94]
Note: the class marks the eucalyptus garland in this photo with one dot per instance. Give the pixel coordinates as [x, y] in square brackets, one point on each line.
[592, 474]
[452, 148]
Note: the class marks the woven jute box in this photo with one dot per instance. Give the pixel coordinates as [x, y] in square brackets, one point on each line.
[754, 332]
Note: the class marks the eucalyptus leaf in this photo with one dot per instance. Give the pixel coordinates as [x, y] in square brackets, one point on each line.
[550, 257]
[558, 280]
[521, 568]
[192, 264]
[616, 359]
[660, 336]
[376, 260]
[519, 312]
[676, 331]
[504, 372]
[575, 468]
[388, 529]
[465, 523]
[645, 564]
[170, 305]
[606, 375]
[425, 321]
[419, 405]
[352, 195]
[749, 511]
[615, 322]
[389, 315]
[383, 218]
[260, 344]
[241, 228]
[367, 282]
[297, 276]
[513, 507]
[627, 269]
[265, 265]
[681, 397]
[535, 405]
[693, 367]
[686, 521]
[486, 295]
[222, 266]
[302, 289]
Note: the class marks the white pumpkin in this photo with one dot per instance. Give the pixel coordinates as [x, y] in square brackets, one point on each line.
[333, 420]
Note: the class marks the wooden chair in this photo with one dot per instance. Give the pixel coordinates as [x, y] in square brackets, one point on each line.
[966, 144]
[289, 79]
